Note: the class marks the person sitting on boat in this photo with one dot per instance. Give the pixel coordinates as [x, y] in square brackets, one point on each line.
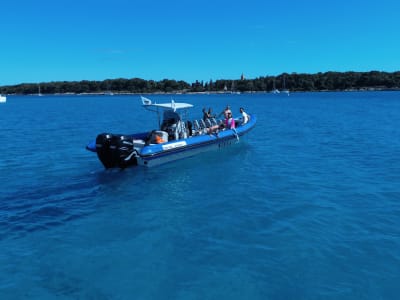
[215, 128]
[210, 114]
[245, 116]
[205, 114]
[229, 121]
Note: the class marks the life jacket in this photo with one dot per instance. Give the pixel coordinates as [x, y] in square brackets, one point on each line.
[159, 139]
[229, 123]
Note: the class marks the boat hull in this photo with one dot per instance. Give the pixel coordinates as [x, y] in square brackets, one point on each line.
[186, 151]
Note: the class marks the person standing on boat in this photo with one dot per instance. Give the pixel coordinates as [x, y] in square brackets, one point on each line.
[245, 116]
[229, 121]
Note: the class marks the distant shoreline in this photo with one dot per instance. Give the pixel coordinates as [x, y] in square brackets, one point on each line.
[207, 93]
[294, 82]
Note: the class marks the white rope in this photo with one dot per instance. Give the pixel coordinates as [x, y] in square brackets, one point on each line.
[236, 134]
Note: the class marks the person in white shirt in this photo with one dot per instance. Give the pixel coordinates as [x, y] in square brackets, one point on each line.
[245, 116]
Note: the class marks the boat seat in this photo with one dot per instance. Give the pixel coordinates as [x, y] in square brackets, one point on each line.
[213, 121]
[196, 125]
[202, 124]
[166, 124]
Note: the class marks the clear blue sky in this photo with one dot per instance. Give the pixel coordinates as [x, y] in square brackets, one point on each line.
[45, 40]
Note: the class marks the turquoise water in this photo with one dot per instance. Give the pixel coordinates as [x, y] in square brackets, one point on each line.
[308, 207]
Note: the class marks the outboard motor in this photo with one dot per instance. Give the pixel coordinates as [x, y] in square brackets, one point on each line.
[127, 153]
[115, 150]
[103, 150]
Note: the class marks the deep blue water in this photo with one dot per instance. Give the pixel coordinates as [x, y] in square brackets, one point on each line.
[308, 207]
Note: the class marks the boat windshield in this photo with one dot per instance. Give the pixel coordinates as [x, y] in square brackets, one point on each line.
[172, 112]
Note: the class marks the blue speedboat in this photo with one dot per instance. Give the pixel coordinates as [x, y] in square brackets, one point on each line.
[176, 138]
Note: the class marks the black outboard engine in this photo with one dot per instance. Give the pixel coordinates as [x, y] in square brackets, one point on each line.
[126, 151]
[115, 150]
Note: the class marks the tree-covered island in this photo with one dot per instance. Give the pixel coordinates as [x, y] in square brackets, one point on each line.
[295, 82]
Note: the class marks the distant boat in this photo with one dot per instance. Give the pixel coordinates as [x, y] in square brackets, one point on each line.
[39, 93]
[285, 90]
[3, 99]
[274, 89]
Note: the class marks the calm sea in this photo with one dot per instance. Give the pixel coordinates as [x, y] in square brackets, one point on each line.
[307, 207]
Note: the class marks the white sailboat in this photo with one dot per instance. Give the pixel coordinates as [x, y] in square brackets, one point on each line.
[274, 89]
[3, 99]
[284, 90]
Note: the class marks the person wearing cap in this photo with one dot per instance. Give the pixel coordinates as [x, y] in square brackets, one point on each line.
[229, 121]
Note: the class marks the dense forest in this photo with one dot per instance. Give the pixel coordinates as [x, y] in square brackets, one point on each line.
[295, 82]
